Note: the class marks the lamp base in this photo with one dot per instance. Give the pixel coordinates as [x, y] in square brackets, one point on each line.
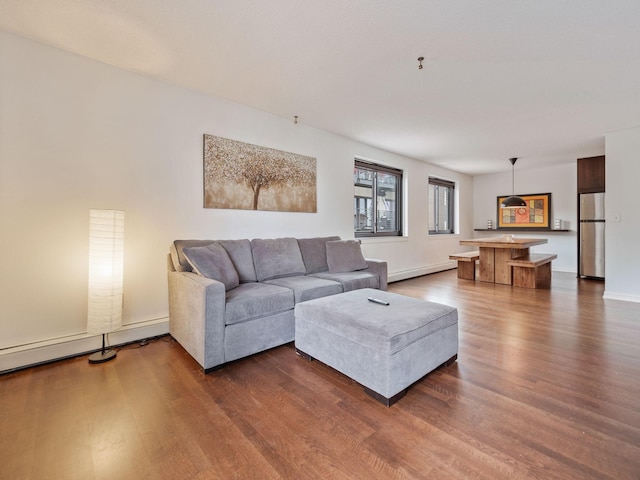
[102, 356]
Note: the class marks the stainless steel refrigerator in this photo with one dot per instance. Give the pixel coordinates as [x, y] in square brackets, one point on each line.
[591, 261]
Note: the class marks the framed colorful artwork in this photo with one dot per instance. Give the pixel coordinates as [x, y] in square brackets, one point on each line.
[535, 215]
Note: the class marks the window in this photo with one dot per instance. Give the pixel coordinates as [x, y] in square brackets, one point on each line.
[441, 195]
[377, 201]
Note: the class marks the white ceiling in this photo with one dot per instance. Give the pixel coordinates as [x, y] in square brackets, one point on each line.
[542, 80]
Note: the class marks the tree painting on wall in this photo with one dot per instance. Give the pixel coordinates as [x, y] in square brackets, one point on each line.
[239, 175]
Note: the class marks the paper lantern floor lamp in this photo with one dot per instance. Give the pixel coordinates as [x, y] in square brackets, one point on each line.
[106, 268]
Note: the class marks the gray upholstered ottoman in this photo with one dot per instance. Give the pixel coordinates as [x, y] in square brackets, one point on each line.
[385, 348]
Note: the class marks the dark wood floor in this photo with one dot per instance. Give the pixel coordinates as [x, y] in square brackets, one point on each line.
[547, 386]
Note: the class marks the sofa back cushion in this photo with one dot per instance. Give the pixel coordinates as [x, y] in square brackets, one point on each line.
[212, 261]
[314, 253]
[345, 256]
[240, 254]
[180, 262]
[276, 258]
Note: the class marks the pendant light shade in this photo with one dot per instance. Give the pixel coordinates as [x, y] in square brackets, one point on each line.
[513, 201]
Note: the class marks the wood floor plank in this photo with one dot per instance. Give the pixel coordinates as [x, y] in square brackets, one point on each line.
[546, 386]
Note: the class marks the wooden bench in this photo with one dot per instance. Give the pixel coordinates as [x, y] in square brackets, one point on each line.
[532, 270]
[466, 264]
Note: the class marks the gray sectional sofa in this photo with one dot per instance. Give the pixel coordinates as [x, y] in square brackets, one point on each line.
[233, 298]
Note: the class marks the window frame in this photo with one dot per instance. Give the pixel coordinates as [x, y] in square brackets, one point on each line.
[441, 182]
[376, 169]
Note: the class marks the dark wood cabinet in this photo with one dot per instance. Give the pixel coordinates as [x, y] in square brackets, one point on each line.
[591, 174]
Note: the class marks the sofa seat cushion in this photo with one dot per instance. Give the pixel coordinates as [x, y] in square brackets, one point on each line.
[253, 300]
[307, 287]
[352, 280]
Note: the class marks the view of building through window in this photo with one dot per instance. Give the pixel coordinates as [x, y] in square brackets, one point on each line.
[377, 209]
[441, 211]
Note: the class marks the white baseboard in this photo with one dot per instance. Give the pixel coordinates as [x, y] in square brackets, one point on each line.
[418, 272]
[625, 297]
[58, 348]
[564, 269]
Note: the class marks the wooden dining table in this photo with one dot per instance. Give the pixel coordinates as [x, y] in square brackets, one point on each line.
[496, 251]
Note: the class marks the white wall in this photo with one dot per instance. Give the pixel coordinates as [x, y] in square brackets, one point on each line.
[622, 265]
[76, 134]
[559, 180]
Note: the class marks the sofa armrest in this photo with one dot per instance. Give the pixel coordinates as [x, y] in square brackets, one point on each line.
[196, 316]
[378, 267]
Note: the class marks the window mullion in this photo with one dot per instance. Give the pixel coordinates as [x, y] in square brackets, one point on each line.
[374, 202]
[436, 207]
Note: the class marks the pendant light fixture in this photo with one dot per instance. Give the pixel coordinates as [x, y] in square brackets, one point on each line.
[513, 201]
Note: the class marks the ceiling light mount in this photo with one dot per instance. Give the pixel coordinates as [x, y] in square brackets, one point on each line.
[420, 60]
